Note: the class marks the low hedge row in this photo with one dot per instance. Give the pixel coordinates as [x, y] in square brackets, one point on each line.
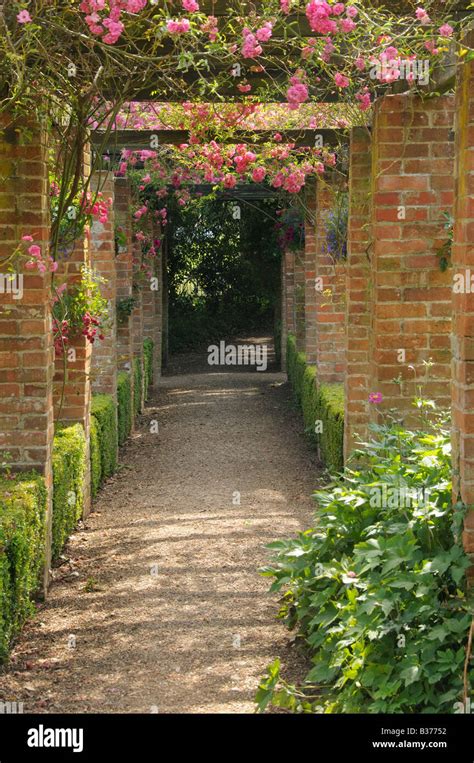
[137, 386]
[104, 456]
[323, 403]
[69, 467]
[147, 366]
[22, 548]
[124, 406]
[95, 456]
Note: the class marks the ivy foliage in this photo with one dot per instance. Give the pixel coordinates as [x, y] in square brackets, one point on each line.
[377, 588]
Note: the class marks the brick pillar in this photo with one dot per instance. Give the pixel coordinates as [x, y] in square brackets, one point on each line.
[412, 186]
[310, 294]
[124, 267]
[463, 304]
[102, 247]
[328, 343]
[72, 380]
[158, 355]
[151, 298]
[300, 299]
[138, 318]
[165, 303]
[358, 291]
[26, 346]
[288, 322]
[157, 295]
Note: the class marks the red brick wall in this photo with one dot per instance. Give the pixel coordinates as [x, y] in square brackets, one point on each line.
[358, 291]
[124, 265]
[327, 344]
[72, 381]
[463, 305]
[412, 173]
[138, 318]
[288, 318]
[300, 328]
[102, 248]
[310, 266]
[26, 347]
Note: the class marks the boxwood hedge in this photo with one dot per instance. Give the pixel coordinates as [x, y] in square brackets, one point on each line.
[22, 549]
[124, 403]
[69, 465]
[104, 411]
[322, 406]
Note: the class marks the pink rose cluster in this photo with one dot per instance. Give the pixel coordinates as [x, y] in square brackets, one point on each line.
[97, 207]
[105, 21]
[91, 328]
[36, 259]
[328, 19]
[297, 92]
[180, 26]
[210, 27]
[243, 159]
[24, 17]
[251, 47]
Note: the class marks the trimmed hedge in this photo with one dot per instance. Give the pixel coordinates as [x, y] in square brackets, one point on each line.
[296, 363]
[22, 549]
[124, 402]
[331, 413]
[104, 411]
[137, 386]
[69, 466]
[319, 403]
[147, 366]
[96, 461]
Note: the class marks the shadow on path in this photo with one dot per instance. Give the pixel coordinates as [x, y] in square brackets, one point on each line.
[178, 618]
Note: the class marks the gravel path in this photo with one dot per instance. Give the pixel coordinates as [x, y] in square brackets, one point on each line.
[159, 606]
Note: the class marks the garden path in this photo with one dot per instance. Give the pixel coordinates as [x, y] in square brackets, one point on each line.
[159, 606]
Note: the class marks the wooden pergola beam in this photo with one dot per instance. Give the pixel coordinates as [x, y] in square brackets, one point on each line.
[141, 140]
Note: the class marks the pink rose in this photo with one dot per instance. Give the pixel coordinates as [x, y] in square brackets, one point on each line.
[446, 30]
[341, 80]
[258, 174]
[23, 17]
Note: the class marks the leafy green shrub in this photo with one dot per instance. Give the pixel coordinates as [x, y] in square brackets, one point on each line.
[322, 406]
[22, 549]
[96, 462]
[377, 589]
[147, 365]
[124, 399]
[104, 411]
[69, 463]
[137, 386]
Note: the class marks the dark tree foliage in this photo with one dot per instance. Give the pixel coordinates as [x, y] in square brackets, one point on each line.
[223, 270]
